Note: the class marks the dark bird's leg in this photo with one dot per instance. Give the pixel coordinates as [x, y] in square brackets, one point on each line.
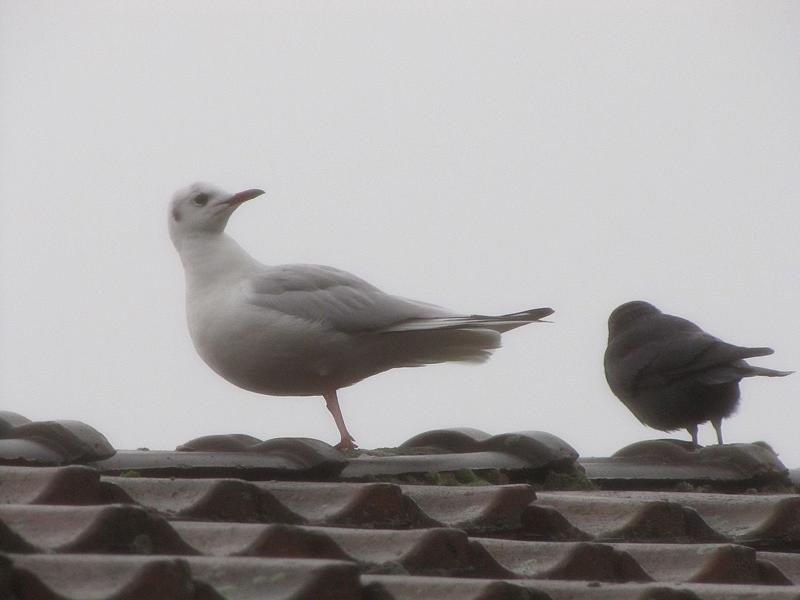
[717, 423]
[692, 429]
[332, 402]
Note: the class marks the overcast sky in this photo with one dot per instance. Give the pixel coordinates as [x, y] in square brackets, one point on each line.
[485, 156]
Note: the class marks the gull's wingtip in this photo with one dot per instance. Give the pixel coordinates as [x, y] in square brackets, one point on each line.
[534, 314]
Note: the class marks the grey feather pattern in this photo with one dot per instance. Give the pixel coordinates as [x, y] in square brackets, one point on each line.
[339, 299]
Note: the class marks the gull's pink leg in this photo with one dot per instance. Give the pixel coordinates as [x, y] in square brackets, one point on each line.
[332, 402]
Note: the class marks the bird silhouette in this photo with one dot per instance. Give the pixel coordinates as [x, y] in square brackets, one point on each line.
[670, 373]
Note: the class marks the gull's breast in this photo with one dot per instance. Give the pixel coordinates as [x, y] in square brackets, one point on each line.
[266, 351]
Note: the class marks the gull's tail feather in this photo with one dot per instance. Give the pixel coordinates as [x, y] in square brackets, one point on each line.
[498, 323]
[421, 347]
[470, 339]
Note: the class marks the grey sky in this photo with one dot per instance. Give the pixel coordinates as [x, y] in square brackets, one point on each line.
[488, 157]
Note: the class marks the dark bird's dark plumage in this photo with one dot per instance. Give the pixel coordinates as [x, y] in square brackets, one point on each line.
[670, 373]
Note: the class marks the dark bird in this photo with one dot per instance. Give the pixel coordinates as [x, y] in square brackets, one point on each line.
[670, 373]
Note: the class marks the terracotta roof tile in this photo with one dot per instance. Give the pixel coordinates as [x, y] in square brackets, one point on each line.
[112, 529]
[342, 504]
[456, 439]
[69, 442]
[794, 476]
[565, 560]
[101, 577]
[234, 517]
[29, 452]
[789, 564]
[54, 485]
[277, 579]
[542, 522]
[251, 465]
[9, 420]
[78, 577]
[249, 539]
[569, 590]
[705, 563]
[634, 517]
[212, 499]
[538, 448]
[376, 467]
[233, 442]
[437, 551]
[582, 590]
[654, 463]
[478, 510]
[763, 521]
[306, 453]
[387, 587]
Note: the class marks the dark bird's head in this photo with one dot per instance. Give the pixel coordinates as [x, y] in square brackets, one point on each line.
[626, 314]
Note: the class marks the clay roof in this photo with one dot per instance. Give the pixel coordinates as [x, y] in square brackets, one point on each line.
[451, 514]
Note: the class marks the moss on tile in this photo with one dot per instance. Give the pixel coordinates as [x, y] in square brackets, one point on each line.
[395, 451]
[468, 477]
[573, 480]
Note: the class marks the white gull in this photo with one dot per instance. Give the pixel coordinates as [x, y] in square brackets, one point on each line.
[307, 330]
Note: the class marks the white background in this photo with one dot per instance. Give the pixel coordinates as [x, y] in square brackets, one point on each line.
[485, 156]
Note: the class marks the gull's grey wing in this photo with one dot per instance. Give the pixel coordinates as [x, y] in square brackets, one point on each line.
[333, 298]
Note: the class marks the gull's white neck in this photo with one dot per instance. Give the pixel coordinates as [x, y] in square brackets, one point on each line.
[210, 259]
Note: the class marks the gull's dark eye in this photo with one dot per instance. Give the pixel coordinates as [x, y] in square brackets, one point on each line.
[201, 199]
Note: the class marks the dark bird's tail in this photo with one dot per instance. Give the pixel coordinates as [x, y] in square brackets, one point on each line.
[745, 352]
[754, 371]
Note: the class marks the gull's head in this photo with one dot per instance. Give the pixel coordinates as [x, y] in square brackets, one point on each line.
[203, 209]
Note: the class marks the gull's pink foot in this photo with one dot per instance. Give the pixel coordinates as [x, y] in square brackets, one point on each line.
[348, 444]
